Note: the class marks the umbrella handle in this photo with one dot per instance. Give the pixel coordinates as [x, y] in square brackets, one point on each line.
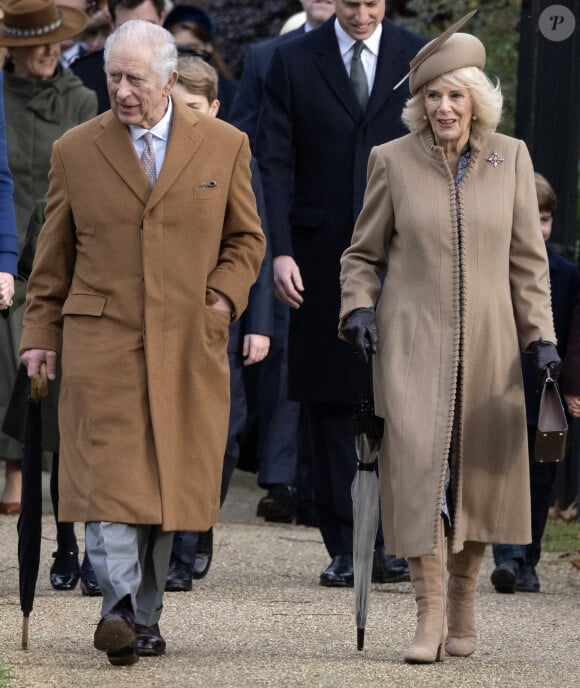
[38, 390]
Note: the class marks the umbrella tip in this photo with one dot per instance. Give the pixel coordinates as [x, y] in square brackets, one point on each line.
[25, 633]
[360, 639]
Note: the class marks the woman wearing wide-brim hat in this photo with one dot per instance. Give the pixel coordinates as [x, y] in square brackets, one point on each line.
[42, 101]
[452, 209]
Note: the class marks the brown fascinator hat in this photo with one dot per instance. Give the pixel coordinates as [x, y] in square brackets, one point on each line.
[37, 22]
[446, 53]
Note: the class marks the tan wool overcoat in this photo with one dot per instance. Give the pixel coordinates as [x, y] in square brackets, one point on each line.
[124, 277]
[467, 288]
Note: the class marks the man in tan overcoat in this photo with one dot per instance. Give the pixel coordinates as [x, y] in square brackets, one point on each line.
[148, 251]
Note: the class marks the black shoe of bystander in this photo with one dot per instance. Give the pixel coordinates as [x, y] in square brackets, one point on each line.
[65, 571]
[340, 573]
[504, 576]
[388, 568]
[278, 505]
[179, 577]
[527, 580]
[204, 554]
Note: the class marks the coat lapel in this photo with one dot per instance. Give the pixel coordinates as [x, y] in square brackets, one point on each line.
[115, 144]
[392, 65]
[183, 142]
[332, 68]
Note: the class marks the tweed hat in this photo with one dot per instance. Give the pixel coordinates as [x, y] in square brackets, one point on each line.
[37, 22]
[447, 52]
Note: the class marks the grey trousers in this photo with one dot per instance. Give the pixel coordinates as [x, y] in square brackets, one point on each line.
[130, 560]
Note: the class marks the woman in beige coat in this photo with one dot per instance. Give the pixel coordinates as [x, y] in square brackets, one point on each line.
[451, 208]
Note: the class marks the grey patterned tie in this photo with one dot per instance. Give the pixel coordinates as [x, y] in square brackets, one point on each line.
[358, 77]
[148, 159]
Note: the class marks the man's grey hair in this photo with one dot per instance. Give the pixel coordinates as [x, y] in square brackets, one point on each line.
[161, 42]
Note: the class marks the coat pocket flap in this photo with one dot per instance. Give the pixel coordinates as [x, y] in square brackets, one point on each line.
[84, 304]
[207, 192]
[306, 217]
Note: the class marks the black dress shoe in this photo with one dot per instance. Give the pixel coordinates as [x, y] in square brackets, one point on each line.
[89, 584]
[278, 505]
[115, 635]
[504, 576]
[65, 571]
[179, 577]
[204, 554]
[389, 569]
[527, 580]
[150, 642]
[339, 574]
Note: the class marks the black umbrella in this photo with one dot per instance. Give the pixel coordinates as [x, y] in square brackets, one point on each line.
[30, 519]
[365, 500]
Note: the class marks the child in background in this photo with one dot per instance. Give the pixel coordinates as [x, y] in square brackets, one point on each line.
[249, 342]
[516, 564]
[197, 85]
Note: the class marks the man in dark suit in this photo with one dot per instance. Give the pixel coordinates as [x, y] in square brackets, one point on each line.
[246, 105]
[248, 342]
[313, 141]
[281, 452]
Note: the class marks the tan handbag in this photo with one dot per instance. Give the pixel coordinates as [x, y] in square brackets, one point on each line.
[552, 425]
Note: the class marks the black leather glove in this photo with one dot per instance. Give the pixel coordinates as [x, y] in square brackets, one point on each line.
[360, 329]
[546, 357]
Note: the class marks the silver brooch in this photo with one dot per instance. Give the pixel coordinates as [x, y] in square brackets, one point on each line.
[495, 159]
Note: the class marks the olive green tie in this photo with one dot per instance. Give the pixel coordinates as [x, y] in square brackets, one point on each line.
[358, 77]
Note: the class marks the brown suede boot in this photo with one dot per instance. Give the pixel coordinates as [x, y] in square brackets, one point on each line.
[428, 578]
[464, 570]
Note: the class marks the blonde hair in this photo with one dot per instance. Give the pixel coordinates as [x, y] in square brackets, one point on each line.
[486, 97]
[197, 77]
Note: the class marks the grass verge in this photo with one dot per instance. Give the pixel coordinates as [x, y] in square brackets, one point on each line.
[561, 537]
[5, 677]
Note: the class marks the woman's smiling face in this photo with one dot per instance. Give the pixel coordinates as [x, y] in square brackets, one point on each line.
[39, 61]
[449, 110]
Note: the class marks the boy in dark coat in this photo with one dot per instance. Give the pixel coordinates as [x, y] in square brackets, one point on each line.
[516, 564]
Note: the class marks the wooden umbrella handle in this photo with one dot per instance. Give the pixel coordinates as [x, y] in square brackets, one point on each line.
[38, 390]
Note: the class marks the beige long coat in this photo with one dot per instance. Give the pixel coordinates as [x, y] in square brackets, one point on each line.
[127, 276]
[459, 302]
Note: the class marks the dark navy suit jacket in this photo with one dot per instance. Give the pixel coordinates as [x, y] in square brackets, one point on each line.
[246, 104]
[258, 318]
[312, 144]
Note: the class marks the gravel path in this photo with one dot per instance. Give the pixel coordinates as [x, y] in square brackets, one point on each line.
[261, 619]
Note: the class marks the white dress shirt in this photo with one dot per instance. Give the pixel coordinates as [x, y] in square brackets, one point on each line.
[160, 132]
[369, 55]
